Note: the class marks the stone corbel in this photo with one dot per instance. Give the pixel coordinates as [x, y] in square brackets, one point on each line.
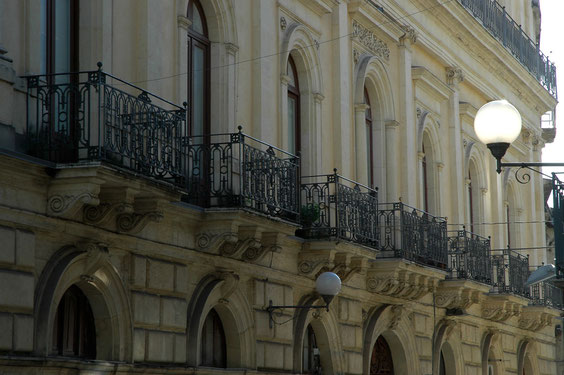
[70, 190]
[410, 35]
[500, 311]
[456, 295]
[270, 243]
[211, 242]
[397, 279]
[145, 211]
[248, 241]
[113, 202]
[397, 312]
[534, 318]
[345, 266]
[311, 262]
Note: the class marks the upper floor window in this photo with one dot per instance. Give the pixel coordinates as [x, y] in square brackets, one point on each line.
[198, 70]
[74, 332]
[369, 140]
[293, 107]
[213, 345]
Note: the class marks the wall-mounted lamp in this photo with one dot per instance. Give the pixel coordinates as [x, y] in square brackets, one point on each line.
[327, 285]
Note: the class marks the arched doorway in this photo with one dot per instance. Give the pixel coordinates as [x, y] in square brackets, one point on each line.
[214, 351]
[381, 362]
[311, 358]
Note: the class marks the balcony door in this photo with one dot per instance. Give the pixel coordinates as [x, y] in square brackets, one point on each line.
[294, 143]
[60, 132]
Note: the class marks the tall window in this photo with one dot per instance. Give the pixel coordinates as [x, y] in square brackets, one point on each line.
[59, 36]
[369, 140]
[425, 181]
[213, 346]
[74, 333]
[311, 363]
[293, 108]
[199, 70]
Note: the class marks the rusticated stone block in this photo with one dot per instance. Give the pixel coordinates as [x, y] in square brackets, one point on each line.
[23, 333]
[160, 346]
[6, 329]
[139, 345]
[25, 248]
[161, 275]
[146, 308]
[8, 241]
[17, 289]
[174, 312]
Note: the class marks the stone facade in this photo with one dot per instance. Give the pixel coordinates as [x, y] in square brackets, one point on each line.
[153, 261]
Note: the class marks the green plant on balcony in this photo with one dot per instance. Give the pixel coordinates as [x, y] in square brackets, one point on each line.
[309, 214]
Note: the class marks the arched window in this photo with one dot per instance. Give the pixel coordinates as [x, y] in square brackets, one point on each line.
[213, 345]
[199, 70]
[369, 140]
[442, 366]
[74, 333]
[293, 107]
[381, 362]
[311, 362]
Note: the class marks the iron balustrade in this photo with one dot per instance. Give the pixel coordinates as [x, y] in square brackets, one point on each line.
[496, 20]
[84, 116]
[408, 233]
[546, 294]
[237, 170]
[509, 272]
[334, 206]
[469, 257]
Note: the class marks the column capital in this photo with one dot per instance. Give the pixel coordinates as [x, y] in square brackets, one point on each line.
[183, 22]
[231, 48]
[318, 97]
[361, 107]
[420, 155]
[392, 124]
[285, 79]
[409, 37]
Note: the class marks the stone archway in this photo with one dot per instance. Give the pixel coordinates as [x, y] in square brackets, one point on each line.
[88, 268]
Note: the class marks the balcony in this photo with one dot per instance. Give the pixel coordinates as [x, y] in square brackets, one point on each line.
[408, 233]
[469, 257]
[509, 272]
[546, 294]
[334, 206]
[237, 170]
[502, 27]
[81, 117]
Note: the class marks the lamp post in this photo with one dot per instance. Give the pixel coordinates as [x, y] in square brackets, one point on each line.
[327, 285]
[497, 125]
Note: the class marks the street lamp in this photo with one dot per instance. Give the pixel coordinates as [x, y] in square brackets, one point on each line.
[327, 285]
[497, 125]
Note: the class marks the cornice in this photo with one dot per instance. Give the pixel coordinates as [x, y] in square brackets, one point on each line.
[426, 80]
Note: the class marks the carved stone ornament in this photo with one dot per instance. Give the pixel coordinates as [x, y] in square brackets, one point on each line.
[533, 319]
[396, 314]
[410, 34]
[356, 55]
[247, 245]
[283, 23]
[96, 255]
[456, 298]
[370, 41]
[104, 212]
[345, 266]
[454, 75]
[67, 204]
[134, 222]
[400, 283]
[500, 311]
[230, 282]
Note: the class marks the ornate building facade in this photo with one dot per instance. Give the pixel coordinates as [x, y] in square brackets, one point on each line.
[171, 168]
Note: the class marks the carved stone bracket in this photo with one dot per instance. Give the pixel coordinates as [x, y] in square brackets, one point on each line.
[346, 265]
[400, 279]
[458, 294]
[103, 213]
[500, 308]
[535, 318]
[71, 189]
[248, 244]
[134, 222]
[397, 312]
[410, 34]
[230, 282]
[311, 262]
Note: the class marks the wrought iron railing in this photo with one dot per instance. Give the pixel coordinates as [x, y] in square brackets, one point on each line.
[84, 116]
[546, 294]
[509, 272]
[237, 170]
[408, 233]
[469, 257]
[334, 206]
[496, 20]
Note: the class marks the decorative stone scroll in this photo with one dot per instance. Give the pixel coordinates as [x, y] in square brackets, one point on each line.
[398, 279]
[500, 310]
[535, 318]
[370, 41]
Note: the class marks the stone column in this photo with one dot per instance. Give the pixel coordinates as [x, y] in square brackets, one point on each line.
[341, 89]
[316, 144]
[437, 191]
[392, 193]
[420, 203]
[283, 128]
[229, 119]
[457, 170]
[408, 140]
[361, 151]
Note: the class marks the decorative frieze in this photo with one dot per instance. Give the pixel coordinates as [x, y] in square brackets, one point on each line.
[370, 41]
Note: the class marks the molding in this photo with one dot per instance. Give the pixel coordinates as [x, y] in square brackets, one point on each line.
[427, 81]
[368, 39]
